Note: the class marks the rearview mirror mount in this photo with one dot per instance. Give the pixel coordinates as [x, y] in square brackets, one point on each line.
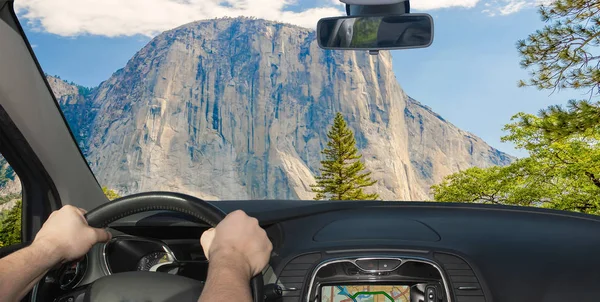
[374, 33]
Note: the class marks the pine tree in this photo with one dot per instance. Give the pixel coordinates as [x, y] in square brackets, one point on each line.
[563, 168]
[564, 54]
[343, 175]
[10, 225]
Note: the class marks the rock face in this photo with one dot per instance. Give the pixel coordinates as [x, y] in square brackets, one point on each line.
[76, 104]
[9, 181]
[437, 148]
[239, 109]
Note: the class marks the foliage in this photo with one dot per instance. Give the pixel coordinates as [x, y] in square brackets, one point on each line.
[563, 167]
[9, 197]
[564, 52]
[559, 173]
[110, 194]
[83, 91]
[10, 225]
[578, 118]
[342, 172]
[495, 185]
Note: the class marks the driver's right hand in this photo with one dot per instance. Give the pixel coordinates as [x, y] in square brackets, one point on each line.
[238, 240]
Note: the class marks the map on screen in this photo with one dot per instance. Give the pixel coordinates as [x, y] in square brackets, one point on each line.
[365, 293]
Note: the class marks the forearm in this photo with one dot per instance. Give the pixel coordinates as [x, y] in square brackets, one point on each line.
[20, 270]
[226, 282]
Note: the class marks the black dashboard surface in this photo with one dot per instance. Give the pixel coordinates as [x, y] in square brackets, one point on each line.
[517, 254]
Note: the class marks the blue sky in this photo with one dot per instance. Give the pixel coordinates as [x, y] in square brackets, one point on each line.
[468, 75]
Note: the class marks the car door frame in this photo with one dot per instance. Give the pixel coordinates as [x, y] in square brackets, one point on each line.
[39, 195]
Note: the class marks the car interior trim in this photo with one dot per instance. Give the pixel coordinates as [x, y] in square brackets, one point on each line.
[403, 260]
[377, 251]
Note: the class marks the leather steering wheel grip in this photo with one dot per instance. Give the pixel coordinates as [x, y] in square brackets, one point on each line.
[105, 214]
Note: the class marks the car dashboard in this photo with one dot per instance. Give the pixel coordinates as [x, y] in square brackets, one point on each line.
[414, 252]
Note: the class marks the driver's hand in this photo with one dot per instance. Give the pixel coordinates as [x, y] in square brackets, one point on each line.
[67, 233]
[238, 238]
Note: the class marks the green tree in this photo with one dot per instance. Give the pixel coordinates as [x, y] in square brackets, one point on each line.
[110, 194]
[343, 175]
[564, 54]
[559, 173]
[563, 167]
[10, 225]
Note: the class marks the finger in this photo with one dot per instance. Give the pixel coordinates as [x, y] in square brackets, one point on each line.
[102, 235]
[79, 211]
[237, 214]
[206, 241]
[83, 211]
[82, 215]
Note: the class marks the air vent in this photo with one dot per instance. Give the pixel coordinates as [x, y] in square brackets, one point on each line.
[465, 285]
[294, 274]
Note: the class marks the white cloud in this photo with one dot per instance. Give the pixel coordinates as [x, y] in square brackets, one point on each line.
[149, 17]
[512, 7]
[492, 7]
[507, 7]
[436, 4]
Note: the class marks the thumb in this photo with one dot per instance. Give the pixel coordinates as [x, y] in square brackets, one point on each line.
[206, 241]
[102, 235]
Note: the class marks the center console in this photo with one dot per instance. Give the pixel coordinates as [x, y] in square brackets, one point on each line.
[391, 279]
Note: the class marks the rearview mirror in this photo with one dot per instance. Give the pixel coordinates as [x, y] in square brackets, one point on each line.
[376, 32]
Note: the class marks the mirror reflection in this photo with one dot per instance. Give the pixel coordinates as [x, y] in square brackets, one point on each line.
[376, 32]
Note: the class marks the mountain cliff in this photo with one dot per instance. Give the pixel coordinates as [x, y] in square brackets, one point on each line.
[9, 181]
[437, 148]
[76, 104]
[239, 109]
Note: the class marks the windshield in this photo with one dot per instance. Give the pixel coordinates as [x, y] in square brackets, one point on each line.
[234, 100]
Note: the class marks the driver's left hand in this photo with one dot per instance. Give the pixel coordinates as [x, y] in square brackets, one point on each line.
[68, 234]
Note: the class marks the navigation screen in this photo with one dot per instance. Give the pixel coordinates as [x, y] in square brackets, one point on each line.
[365, 293]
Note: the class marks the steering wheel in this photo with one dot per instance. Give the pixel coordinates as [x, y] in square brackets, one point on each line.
[152, 286]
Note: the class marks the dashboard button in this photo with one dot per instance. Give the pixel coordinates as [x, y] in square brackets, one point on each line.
[431, 295]
[368, 265]
[388, 264]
